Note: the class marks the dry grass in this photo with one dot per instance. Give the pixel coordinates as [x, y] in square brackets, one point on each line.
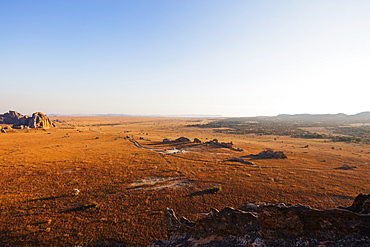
[129, 186]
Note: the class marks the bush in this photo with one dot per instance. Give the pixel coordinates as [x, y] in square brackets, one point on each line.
[215, 189]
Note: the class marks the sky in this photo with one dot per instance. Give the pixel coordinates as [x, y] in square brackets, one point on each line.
[180, 57]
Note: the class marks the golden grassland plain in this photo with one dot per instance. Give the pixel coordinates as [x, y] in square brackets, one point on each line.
[124, 188]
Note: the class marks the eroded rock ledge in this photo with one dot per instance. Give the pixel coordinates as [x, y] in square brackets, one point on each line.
[269, 224]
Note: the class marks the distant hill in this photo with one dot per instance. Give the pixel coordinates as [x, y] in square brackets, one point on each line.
[339, 115]
[363, 116]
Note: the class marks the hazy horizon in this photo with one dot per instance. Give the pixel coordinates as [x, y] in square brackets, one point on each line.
[232, 59]
[53, 114]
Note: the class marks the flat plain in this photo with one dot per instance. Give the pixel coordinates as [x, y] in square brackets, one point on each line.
[126, 177]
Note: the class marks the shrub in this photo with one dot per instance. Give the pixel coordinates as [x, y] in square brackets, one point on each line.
[215, 189]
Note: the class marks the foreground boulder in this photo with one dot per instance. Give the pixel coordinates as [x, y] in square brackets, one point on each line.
[19, 121]
[361, 204]
[268, 224]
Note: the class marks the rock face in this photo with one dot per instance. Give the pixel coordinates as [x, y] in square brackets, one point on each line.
[19, 121]
[10, 117]
[40, 120]
[268, 224]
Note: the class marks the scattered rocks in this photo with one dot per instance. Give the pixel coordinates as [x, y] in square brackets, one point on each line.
[19, 121]
[270, 224]
[269, 154]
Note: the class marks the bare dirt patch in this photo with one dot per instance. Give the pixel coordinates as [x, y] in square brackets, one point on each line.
[159, 183]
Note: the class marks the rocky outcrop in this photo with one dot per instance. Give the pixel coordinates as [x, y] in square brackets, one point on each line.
[40, 120]
[197, 141]
[19, 121]
[178, 140]
[269, 154]
[229, 145]
[10, 117]
[269, 224]
[361, 204]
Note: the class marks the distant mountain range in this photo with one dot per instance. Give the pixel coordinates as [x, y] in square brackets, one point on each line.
[358, 116]
[363, 116]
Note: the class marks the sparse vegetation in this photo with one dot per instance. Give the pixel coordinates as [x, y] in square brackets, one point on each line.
[215, 189]
[290, 127]
[132, 185]
[90, 205]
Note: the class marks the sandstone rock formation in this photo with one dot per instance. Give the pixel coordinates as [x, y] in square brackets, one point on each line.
[268, 224]
[40, 120]
[19, 121]
[10, 117]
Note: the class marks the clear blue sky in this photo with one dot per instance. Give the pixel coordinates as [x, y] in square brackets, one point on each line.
[172, 57]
